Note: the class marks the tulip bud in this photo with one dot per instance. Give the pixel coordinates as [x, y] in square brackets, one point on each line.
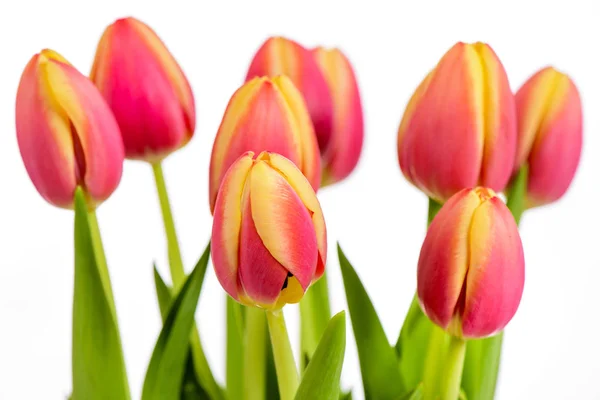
[459, 127]
[269, 241]
[281, 56]
[67, 135]
[146, 89]
[342, 152]
[550, 136]
[265, 114]
[471, 268]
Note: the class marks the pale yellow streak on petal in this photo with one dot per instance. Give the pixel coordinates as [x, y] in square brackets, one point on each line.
[478, 89]
[412, 106]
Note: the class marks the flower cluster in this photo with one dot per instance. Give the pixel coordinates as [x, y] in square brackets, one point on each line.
[294, 126]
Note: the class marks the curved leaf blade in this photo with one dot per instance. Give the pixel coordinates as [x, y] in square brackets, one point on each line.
[321, 379]
[378, 362]
[98, 364]
[165, 373]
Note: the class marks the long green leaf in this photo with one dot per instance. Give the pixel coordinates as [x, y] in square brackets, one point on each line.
[315, 313]
[98, 363]
[378, 362]
[165, 373]
[321, 380]
[412, 344]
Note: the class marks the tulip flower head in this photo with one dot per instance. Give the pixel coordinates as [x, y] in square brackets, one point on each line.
[146, 89]
[67, 135]
[459, 127]
[342, 151]
[265, 114]
[269, 240]
[281, 56]
[471, 268]
[550, 123]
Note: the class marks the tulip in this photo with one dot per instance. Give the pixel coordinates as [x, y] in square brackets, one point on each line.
[146, 89]
[342, 152]
[281, 56]
[265, 114]
[269, 238]
[459, 127]
[550, 136]
[67, 135]
[471, 267]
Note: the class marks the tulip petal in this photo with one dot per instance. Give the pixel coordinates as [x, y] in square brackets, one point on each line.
[283, 222]
[444, 258]
[254, 121]
[302, 129]
[499, 118]
[94, 129]
[44, 138]
[494, 282]
[345, 145]
[262, 277]
[227, 224]
[308, 197]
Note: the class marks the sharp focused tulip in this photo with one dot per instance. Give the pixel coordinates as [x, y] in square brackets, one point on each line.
[342, 152]
[67, 135]
[265, 114]
[550, 134]
[269, 241]
[146, 89]
[281, 56]
[459, 127]
[471, 268]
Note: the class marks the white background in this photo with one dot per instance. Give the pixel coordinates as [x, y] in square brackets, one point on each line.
[551, 346]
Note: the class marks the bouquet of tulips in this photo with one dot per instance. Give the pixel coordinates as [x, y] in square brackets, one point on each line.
[481, 154]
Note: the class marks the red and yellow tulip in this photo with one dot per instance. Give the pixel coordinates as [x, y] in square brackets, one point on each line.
[471, 269]
[342, 151]
[550, 136]
[67, 135]
[146, 89]
[265, 114]
[269, 240]
[282, 56]
[459, 127]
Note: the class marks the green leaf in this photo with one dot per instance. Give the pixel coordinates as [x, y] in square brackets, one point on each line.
[315, 314]
[165, 373]
[412, 344]
[97, 357]
[415, 394]
[321, 380]
[378, 362]
[346, 395]
[163, 294]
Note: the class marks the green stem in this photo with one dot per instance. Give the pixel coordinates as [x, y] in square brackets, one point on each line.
[517, 193]
[175, 262]
[450, 380]
[434, 208]
[287, 372]
[255, 360]
[315, 313]
[433, 369]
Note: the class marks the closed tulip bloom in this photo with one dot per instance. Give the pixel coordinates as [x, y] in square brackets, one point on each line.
[471, 268]
[459, 127]
[342, 152]
[146, 89]
[67, 135]
[269, 241]
[265, 114]
[550, 137]
[281, 56]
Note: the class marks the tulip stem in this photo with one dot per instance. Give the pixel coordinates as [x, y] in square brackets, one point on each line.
[455, 358]
[255, 360]
[175, 261]
[434, 208]
[516, 193]
[287, 372]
